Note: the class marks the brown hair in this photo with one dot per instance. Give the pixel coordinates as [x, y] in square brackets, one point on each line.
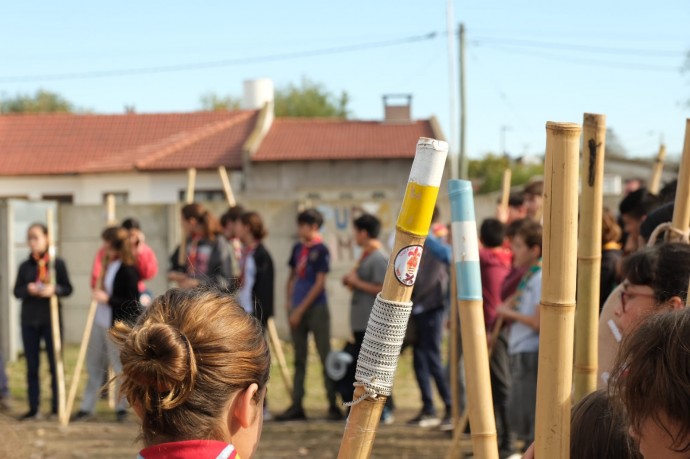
[610, 230]
[535, 188]
[651, 374]
[530, 232]
[119, 240]
[185, 358]
[253, 221]
[199, 213]
[598, 430]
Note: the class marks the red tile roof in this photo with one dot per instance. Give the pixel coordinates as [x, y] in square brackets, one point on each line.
[292, 139]
[75, 144]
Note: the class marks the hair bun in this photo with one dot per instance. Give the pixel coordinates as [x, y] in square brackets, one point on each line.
[161, 361]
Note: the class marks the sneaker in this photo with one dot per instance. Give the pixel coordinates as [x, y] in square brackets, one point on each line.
[334, 414]
[294, 413]
[82, 416]
[424, 420]
[31, 416]
[121, 416]
[446, 424]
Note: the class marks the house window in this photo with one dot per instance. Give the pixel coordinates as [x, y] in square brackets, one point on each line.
[121, 197]
[204, 195]
[61, 198]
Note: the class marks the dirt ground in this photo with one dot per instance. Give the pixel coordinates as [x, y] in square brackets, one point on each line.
[316, 438]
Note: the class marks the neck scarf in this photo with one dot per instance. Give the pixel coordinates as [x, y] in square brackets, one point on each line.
[303, 257]
[534, 269]
[42, 275]
[193, 245]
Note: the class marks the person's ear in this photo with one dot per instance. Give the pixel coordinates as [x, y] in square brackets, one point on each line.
[244, 407]
[675, 303]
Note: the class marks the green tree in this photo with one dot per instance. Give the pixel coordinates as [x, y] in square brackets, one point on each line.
[41, 102]
[488, 172]
[310, 99]
[213, 102]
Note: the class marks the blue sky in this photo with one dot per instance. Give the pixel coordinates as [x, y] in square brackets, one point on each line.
[528, 62]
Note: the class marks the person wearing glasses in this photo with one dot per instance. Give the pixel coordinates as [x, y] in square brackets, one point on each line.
[655, 281]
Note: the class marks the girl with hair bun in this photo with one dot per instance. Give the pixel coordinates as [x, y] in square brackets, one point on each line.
[194, 369]
[208, 255]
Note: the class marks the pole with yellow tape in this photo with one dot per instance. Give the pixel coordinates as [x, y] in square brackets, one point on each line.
[383, 339]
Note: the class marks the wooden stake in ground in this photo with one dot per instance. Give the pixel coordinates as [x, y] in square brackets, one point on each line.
[274, 340]
[385, 332]
[55, 316]
[86, 336]
[229, 195]
[657, 170]
[473, 327]
[557, 307]
[189, 199]
[589, 255]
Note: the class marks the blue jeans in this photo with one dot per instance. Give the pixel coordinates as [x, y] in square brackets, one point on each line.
[31, 337]
[427, 358]
[4, 386]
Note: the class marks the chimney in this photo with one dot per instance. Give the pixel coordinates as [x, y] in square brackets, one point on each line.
[400, 112]
[257, 93]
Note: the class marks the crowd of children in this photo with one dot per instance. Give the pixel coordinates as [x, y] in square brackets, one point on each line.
[193, 363]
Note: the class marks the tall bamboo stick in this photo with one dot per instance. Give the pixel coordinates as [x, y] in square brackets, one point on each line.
[55, 316]
[454, 358]
[473, 328]
[589, 255]
[379, 355]
[657, 170]
[681, 208]
[110, 219]
[557, 308]
[505, 189]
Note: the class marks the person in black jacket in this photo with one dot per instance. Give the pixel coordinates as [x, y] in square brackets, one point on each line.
[117, 295]
[208, 255]
[34, 288]
[256, 290]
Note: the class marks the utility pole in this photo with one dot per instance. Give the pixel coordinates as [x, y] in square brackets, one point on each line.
[463, 107]
[452, 152]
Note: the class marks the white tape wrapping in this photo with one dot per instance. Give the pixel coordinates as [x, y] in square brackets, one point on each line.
[427, 167]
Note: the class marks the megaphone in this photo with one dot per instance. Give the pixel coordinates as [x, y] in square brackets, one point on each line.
[337, 363]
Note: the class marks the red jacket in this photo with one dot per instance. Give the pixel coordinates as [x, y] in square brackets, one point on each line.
[147, 265]
[495, 266]
[201, 449]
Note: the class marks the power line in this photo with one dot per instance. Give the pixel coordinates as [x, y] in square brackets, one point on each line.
[215, 64]
[575, 47]
[584, 61]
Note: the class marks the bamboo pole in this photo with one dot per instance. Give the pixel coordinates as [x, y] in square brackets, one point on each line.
[681, 208]
[55, 316]
[274, 339]
[557, 308]
[229, 195]
[473, 328]
[411, 230]
[657, 170]
[589, 255]
[88, 327]
[189, 199]
[505, 189]
[454, 358]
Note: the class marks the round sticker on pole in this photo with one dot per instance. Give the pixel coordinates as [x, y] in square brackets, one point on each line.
[407, 263]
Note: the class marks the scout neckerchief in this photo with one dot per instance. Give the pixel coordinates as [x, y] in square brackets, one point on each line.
[245, 254]
[372, 246]
[42, 261]
[193, 245]
[534, 269]
[303, 256]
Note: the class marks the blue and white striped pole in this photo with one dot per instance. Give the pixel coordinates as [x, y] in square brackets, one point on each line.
[473, 328]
